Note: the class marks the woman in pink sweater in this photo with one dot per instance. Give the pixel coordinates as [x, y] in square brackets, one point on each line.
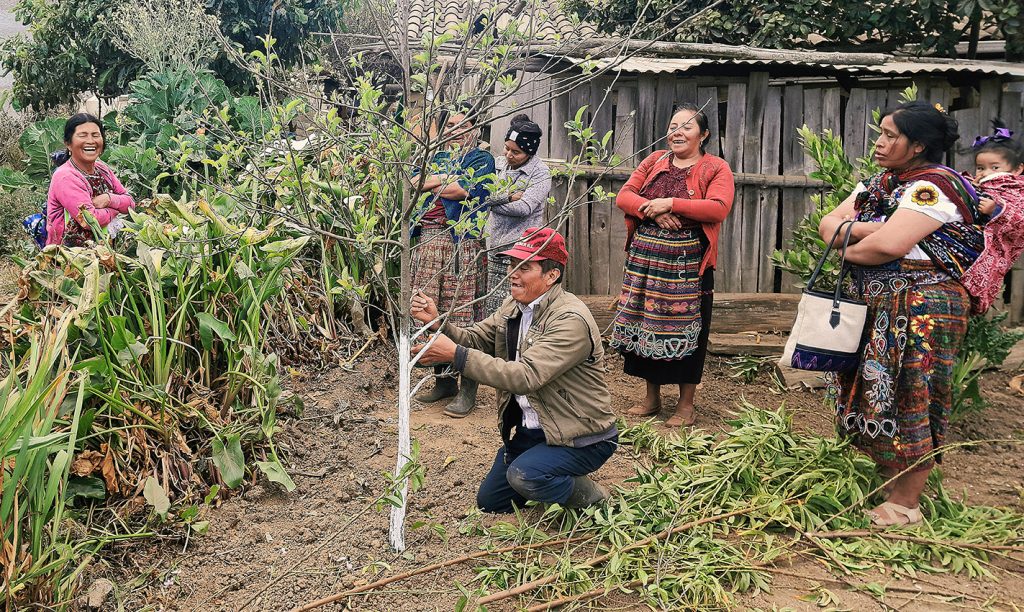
[83, 184]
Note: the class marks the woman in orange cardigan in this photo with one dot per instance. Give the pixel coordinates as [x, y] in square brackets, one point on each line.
[675, 203]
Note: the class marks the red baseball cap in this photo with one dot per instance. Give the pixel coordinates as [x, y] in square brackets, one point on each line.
[540, 243]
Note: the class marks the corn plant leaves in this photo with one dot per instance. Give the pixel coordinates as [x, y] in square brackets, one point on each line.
[274, 472]
[229, 459]
[154, 493]
[209, 325]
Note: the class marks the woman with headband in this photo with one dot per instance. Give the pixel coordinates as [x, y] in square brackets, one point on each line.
[516, 201]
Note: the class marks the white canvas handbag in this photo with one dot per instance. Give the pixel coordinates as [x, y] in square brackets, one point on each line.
[827, 333]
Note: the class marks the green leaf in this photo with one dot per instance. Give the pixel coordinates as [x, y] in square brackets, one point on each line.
[229, 459]
[209, 325]
[286, 247]
[154, 493]
[275, 473]
[89, 487]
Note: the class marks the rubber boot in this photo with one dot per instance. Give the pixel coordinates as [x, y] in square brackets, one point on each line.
[445, 385]
[585, 492]
[465, 401]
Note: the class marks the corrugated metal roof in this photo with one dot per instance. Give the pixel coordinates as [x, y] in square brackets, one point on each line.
[894, 67]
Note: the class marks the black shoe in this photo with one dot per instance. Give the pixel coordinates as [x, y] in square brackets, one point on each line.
[465, 401]
[444, 386]
[585, 492]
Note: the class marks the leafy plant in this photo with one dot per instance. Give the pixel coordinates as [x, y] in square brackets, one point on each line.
[71, 47]
[747, 367]
[986, 345]
[706, 518]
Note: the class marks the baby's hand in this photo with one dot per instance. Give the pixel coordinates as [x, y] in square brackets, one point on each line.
[986, 205]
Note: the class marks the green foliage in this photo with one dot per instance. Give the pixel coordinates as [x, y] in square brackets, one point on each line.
[71, 47]
[14, 207]
[987, 345]
[169, 346]
[785, 24]
[739, 501]
[805, 246]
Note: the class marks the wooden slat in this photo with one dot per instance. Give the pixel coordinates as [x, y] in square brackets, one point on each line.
[541, 112]
[1016, 305]
[506, 107]
[795, 202]
[685, 91]
[709, 96]
[729, 243]
[600, 219]
[647, 96]
[771, 151]
[969, 120]
[813, 119]
[754, 219]
[759, 345]
[1011, 111]
[625, 125]
[663, 108]
[734, 313]
[989, 105]
[856, 120]
[559, 140]
[577, 273]
[831, 119]
[742, 178]
[735, 124]
[601, 102]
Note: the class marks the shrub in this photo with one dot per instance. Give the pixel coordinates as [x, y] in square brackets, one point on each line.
[14, 207]
[987, 345]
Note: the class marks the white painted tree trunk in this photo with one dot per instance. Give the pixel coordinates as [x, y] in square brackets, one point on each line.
[397, 531]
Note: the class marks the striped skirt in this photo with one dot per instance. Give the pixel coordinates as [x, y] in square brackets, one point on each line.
[659, 309]
[452, 275]
[895, 406]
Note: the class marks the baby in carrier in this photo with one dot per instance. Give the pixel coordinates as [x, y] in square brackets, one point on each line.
[998, 167]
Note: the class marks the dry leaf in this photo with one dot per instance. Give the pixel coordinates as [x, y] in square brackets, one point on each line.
[86, 463]
[109, 471]
[1017, 383]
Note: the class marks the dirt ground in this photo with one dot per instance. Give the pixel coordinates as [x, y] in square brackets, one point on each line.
[345, 439]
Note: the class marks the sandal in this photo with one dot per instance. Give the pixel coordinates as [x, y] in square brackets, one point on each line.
[676, 420]
[889, 514]
[639, 410]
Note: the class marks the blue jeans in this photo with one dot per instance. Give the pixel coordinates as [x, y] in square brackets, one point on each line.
[528, 469]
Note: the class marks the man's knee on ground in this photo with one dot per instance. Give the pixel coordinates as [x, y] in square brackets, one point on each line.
[527, 483]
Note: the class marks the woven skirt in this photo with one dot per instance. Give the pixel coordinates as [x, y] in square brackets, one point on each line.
[895, 405]
[659, 314]
[453, 275]
[498, 285]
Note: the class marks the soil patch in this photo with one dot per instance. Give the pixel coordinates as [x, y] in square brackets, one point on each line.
[345, 439]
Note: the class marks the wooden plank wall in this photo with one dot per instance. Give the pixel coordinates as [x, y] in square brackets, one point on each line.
[753, 123]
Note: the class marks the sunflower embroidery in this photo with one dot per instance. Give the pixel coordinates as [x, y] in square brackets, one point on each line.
[925, 195]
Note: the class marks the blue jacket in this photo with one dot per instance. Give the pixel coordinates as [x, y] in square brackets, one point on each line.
[475, 170]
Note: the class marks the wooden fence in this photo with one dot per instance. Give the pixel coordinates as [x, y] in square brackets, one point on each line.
[753, 121]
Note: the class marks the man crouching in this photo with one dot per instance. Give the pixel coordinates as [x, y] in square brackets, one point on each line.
[542, 351]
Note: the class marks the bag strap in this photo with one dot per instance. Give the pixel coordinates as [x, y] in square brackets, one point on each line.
[828, 250]
[835, 317]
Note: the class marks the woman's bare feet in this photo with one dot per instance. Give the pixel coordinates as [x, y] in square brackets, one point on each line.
[651, 404]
